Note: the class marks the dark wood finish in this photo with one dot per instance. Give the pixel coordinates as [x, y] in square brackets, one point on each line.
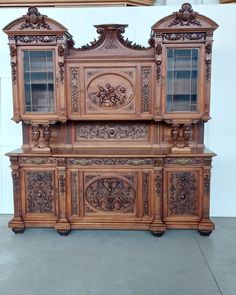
[111, 152]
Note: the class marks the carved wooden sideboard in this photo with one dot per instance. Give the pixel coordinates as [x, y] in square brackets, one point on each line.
[113, 132]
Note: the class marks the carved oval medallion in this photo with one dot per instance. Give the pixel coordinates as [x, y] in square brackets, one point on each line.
[110, 194]
[110, 91]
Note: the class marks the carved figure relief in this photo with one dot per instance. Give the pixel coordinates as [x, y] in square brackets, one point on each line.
[110, 91]
[121, 131]
[112, 194]
[183, 193]
[39, 191]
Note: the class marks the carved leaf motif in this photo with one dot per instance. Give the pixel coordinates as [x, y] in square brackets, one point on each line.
[185, 17]
[145, 194]
[75, 89]
[109, 131]
[74, 192]
[34, 20]
[110, 194]
[146, 71]
[39, 191]
[183, 193]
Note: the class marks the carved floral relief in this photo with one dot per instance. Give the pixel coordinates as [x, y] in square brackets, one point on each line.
[39, 191]
[110, 194]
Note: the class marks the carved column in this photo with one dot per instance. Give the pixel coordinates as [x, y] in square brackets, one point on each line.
[62, 226]
[206, 225]
[158, 227]
[17, 224]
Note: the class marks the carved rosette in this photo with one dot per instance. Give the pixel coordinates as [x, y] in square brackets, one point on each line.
[110, 194]
[146, 91]
[111, 131]
[74, 78]
[185, 17]
[183, 193]
[39, 191]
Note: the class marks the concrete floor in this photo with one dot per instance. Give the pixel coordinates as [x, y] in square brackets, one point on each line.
[89, 262]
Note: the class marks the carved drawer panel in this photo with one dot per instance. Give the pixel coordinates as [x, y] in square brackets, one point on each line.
[184, 161]
[182, 193]
[110, 132]
[39, 192]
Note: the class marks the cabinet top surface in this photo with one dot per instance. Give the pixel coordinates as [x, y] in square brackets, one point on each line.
[113, 152]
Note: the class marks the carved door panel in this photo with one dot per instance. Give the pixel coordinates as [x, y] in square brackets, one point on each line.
[39, 192]
[107, 194]
[108, 92]
[182, 194]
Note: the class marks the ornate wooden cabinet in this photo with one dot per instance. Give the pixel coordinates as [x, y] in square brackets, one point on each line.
[112, 131]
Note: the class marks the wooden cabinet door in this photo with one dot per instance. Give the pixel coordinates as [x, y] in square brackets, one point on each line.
[39, 193]
[182, 194]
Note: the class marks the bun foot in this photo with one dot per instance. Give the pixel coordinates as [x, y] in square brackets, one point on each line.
[157, 233]
[204, 232]
[18, 230]
[63, 232]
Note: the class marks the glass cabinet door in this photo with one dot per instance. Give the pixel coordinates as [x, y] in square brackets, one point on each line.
[182, 79]
[39, 81]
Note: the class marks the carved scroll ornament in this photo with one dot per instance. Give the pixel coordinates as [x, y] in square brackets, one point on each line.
[185, 17]
[34, 20]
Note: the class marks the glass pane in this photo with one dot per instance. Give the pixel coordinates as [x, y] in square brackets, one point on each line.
[39, 81]
[182, 80]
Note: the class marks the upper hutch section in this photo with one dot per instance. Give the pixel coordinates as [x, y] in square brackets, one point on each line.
[111, 78]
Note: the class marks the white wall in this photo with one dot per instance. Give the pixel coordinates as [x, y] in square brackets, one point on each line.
[220, 131]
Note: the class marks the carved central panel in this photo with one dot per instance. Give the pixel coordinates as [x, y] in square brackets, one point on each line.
[112, 194]
[110, 91]
[111, 131]
[183, 193]
[39, 191]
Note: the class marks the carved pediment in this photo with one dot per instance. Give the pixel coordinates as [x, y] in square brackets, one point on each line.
[111, 37]
[32, 23]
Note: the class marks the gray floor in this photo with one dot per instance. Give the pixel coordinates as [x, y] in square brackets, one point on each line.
[118, 262]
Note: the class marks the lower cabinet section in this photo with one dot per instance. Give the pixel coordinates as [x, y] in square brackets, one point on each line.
[143, 193]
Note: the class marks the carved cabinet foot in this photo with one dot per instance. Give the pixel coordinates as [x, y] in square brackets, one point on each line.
[157, 233]
[18, 230]
[204, 232]
[63, 232]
